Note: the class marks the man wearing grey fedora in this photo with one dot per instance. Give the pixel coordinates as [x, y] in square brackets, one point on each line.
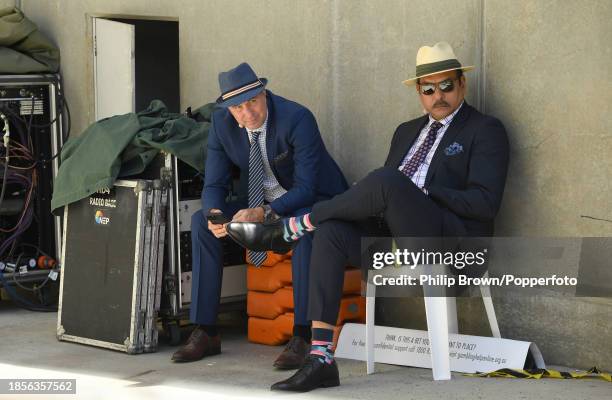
[276, 143]
[444, 177]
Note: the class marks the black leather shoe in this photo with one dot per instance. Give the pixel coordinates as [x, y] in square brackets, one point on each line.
[258, 236]
[312, 375]
[294, 354]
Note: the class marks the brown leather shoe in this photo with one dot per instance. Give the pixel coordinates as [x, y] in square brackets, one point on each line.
[294, 354]
[198, 345]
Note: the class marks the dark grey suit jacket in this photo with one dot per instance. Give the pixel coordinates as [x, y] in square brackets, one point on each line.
[467, 174]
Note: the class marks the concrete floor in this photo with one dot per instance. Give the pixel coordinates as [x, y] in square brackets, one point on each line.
[29, 349]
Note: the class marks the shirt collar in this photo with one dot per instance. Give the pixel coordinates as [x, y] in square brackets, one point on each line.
[448, 119]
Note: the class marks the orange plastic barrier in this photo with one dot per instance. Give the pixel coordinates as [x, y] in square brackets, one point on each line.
[279, 275]
[271, 331]
[269, 279]
[269, 305]
[272, 259]
[352, 281]
[276, 331]
[352, 308]
[279, 330]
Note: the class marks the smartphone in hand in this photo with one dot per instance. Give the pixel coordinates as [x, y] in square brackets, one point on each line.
[217, 218]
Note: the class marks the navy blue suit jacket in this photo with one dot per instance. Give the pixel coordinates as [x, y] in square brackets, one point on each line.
[296, 153]
[468, 171]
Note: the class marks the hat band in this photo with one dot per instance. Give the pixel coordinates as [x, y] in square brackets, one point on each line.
[242, 89]
[432, 68]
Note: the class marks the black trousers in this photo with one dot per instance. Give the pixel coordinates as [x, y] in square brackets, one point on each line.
[340, 224]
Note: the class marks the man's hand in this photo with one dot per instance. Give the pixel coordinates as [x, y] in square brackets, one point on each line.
[217, 229]
[249, 215]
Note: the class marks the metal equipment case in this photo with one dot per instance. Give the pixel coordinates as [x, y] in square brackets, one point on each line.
[113, 252]
[184, 201]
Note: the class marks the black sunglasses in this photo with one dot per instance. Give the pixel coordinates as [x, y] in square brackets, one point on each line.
[445, 86]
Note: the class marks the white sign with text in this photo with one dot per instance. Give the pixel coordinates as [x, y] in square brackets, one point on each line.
[411, 347]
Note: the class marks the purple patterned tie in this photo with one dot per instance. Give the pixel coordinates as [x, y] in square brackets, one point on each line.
[420, 155]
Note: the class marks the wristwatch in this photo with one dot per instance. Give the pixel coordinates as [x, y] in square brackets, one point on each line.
[269, 214]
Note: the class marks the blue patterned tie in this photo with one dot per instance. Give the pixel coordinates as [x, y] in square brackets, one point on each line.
[420, 155]
[256, 190]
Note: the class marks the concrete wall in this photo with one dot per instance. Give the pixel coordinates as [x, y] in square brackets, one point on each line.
[546, 75]
[373, 50]
[546, 70]
[290, 48]
[546, 78]
[345, 60]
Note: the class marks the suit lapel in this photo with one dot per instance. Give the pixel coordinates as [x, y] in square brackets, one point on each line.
[243, 146]
[405, 142]
[270, 133]
[449, 137]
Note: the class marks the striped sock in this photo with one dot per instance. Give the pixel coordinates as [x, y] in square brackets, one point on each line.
[322, 343]
[296, 227]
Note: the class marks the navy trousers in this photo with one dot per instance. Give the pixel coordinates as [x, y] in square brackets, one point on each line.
[207, 272]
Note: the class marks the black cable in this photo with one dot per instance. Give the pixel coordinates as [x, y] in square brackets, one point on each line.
[26, 142]
[32, 289]
[62, 105]
[29, 127]
[64, 101]
[46, 125]
[65, 135]
[38, 249]
[4, 183]
[28, 124]
[15, 115]
[23, 303]
[15, 120]
[46, 160]
[4, 180]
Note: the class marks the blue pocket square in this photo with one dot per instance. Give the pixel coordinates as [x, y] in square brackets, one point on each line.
[453, 149]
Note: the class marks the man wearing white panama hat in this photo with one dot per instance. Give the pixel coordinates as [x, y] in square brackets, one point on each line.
[444, 177]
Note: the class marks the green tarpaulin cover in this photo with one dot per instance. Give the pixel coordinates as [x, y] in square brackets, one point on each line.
[23, 49]
[124, 145]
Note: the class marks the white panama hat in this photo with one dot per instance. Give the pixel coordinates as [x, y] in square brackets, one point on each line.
[431, 60]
